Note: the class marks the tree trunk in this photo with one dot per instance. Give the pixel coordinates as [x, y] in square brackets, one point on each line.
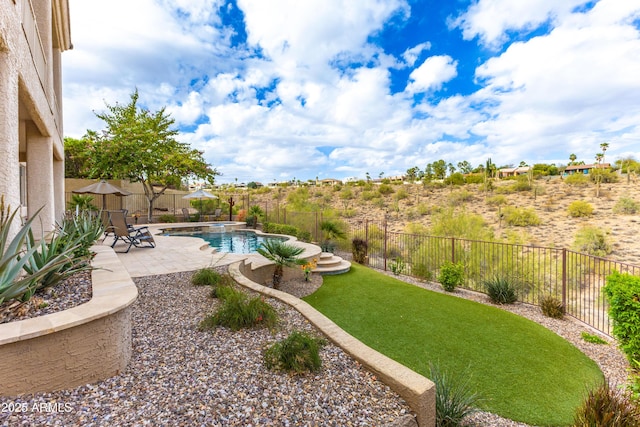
[277, 276]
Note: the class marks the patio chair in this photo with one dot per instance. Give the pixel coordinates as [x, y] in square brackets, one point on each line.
[217, 214]
[186, 214]
[139, 237]
[106, 223]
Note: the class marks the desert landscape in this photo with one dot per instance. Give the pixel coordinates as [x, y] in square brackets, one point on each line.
[549, 198]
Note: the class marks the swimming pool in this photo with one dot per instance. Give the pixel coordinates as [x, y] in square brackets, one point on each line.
[235, 242]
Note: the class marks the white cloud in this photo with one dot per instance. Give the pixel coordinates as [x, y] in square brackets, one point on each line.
[411, 55]
[431, 74]
[491, 19]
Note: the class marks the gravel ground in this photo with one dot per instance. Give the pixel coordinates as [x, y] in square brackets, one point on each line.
[181, 376]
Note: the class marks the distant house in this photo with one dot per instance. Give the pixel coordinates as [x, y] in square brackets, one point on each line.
[330, 181]
[584, 169]
[506, 172]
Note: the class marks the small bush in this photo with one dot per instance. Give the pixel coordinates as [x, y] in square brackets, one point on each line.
[604, 406]
[359, 248]
[455, 398]
[501, 290]
[593, 241]
[289, 230]
[385, 189]
[593, 339]
[626, 206]
[623, 293]
[577, 180]
[552, 307]
[521, 217]
[239, 311]
[422, 271]
[304, 236]
[580, 208]
[497, 200]
[167, 218]
[397, 266]
[206, 277]
[451, 275]
[299, 352]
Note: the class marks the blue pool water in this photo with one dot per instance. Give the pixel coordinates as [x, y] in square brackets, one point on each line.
[236, 242]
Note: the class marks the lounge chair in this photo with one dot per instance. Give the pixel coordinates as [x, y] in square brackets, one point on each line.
[133, 236]
[217, 214]
[106, 223]
[186, 214]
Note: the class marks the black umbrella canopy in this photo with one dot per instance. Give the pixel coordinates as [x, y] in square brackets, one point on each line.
[102, 187]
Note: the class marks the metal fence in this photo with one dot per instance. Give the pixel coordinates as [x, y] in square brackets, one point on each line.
[574, 278]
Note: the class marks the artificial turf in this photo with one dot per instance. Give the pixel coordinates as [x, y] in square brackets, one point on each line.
[524, 371]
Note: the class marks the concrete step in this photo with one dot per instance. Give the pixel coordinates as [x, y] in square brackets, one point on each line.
[329, 263]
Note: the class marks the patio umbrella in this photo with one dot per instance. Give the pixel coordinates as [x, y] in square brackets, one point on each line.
[102, 187]
[200, 194]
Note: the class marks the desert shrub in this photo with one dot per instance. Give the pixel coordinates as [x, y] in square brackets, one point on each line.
[580, 208]
[451, 275]
[552, 307]
[170, 218]
[423, 209]
[238, 311]
[455, 179]
[455, 399]
[606, 406]
[623, 291]
[605, 176]
[397, 265]
[421, 271]
[368, 195]
[593, 339]
[577, 180]
[401, 194]
[289, 230]
[359, 249]
[497, 200]
[451, 223]
[299, 352]
[592, 240]
[205, 277]
[460, 197]
[626, 206]
[501, 290]
[304, 236]
[474, 178]
[521, 184]
[521, 217]
[385, 189]
[224, 289]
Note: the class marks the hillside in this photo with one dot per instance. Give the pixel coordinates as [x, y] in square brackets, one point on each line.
[549, 199]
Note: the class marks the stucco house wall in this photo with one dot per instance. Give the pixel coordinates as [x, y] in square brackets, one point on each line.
[33, 35]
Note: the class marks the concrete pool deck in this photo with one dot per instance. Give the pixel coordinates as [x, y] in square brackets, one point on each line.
[174, 254]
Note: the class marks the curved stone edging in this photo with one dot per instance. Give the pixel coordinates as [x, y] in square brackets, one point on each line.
[84, 344]
[417, 390]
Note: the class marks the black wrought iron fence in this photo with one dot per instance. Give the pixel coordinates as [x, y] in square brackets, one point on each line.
[574, 278]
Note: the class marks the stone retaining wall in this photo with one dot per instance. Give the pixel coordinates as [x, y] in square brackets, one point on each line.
[84, 344]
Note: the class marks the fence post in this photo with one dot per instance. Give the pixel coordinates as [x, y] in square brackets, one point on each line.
[384, 246]
[453, 250]
[564, 278]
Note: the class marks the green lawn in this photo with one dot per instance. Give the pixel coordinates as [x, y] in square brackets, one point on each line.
[524, 371]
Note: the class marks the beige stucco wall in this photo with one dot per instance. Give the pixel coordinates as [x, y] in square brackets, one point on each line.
[30, 105]
[81, 345]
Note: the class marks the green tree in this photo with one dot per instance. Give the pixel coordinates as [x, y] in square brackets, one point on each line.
[412, 173]
[76, 158]
[465, 167]
[282, 254]
[140, 145]
[572, 159]
[439, 169]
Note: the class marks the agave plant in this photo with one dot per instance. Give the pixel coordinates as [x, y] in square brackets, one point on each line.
[14, 255]
[283, 254]
[83, 228]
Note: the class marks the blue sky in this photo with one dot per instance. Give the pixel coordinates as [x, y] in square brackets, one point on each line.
[283, 89]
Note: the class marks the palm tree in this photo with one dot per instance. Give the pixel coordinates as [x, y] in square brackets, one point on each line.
[603, 147]
[331, 231]
[572, 159]
[282, 254]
